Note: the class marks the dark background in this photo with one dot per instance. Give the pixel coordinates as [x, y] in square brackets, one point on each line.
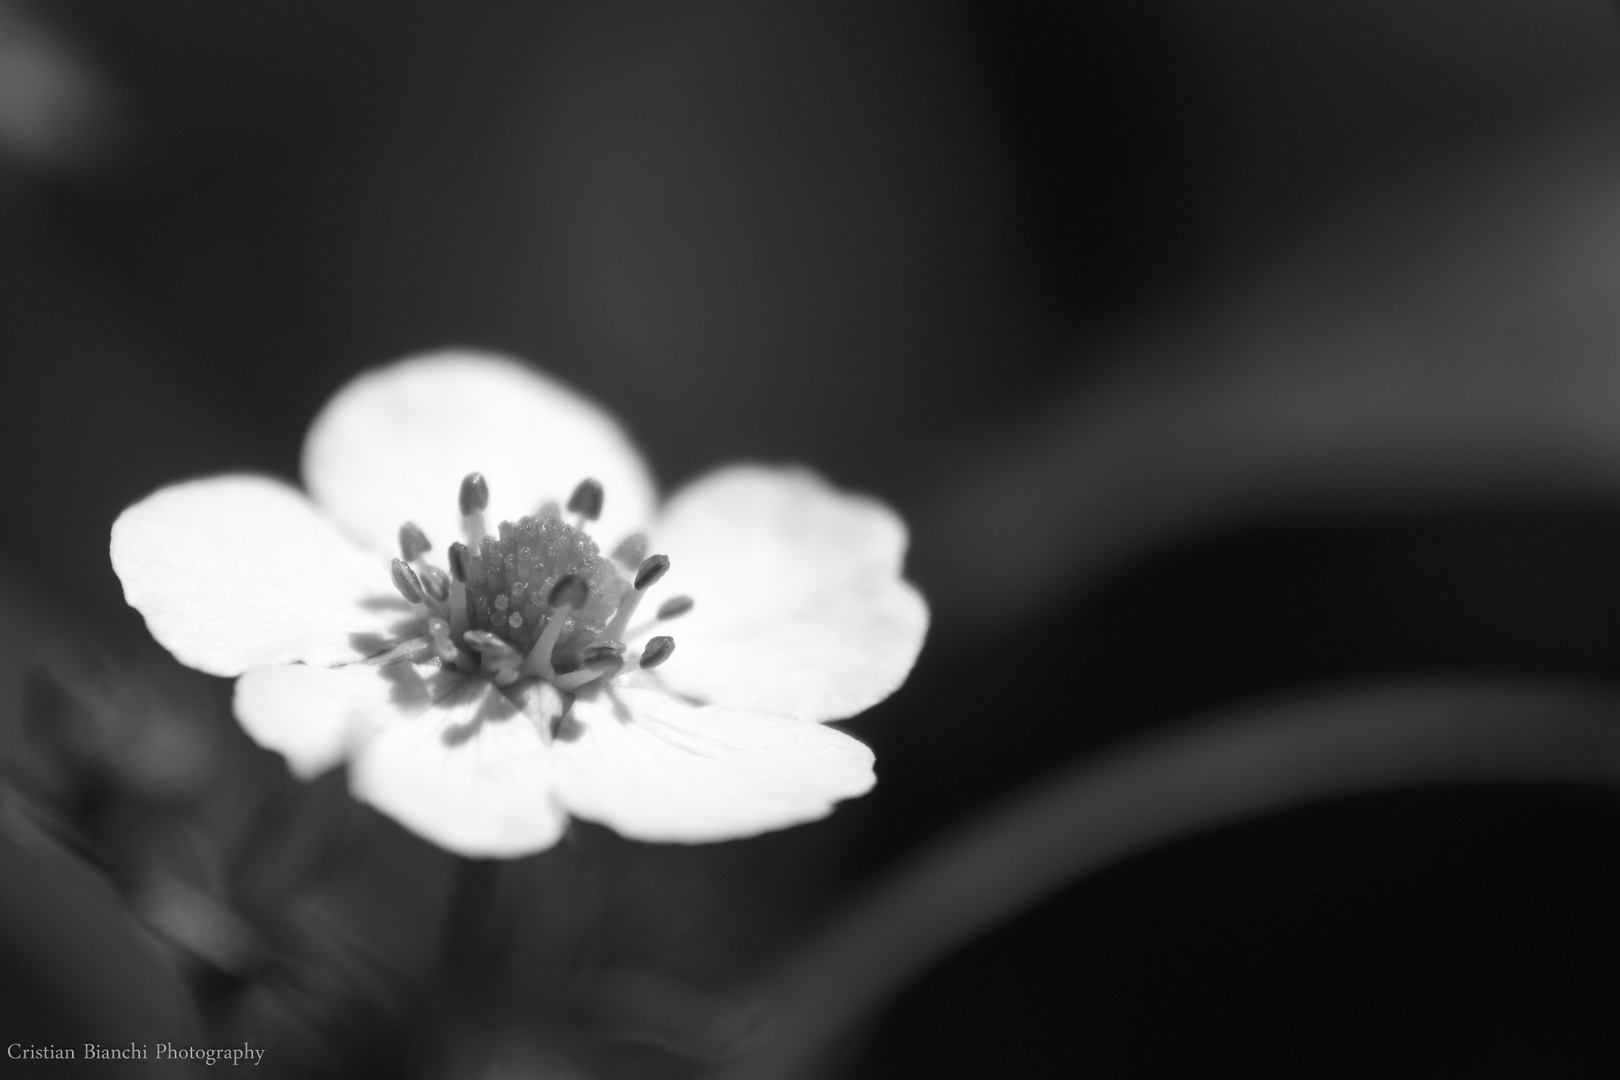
[1211, 350]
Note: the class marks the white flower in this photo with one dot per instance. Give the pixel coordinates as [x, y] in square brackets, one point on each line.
[790, 607]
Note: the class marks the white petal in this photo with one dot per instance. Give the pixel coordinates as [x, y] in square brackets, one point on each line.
[667, 770]
[395, 443]
[318, 717]
[239, 572]
[471, 774]
[800, 608]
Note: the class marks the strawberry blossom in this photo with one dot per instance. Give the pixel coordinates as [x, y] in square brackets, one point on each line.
[482, 610]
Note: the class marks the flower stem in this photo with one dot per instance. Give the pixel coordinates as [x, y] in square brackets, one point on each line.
[1229, 768]
[464, 941]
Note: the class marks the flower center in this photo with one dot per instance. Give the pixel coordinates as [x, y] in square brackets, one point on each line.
[511, 579]
[537, 600]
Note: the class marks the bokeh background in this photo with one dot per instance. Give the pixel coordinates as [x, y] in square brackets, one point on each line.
[1212, 351]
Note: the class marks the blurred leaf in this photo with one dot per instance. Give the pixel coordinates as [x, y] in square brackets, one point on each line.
[143, 725]
[1439, 339]
[1229, 767]
[77, 965]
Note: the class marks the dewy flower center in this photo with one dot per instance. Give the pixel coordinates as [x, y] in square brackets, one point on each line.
[539, 599]
[511, 578]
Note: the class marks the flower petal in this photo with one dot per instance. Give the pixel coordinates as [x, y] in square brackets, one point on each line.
[394, 444]
[238, 572]
[318, 717]
[654, 767]
[471, 774]
[800, 607]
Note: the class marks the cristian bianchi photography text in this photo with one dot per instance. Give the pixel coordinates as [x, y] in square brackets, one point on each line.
[161, 1051]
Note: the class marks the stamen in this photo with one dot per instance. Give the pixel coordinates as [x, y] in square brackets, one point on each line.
[445, 648]
[603, 660]
[656, 651]
[569, 592]
[631, 550]
[651, 570]
[413, 542]
[436, 583]
[459, 622]
[406, 582]
[458, 589]
[411, 649]
[501, 662]
[474, 494]
[439, 635]
[586, 501]
[601, 666]
[674, 607]
[488, 644]
[474, 500]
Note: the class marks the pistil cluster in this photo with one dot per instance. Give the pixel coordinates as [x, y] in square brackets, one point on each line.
[538, 599]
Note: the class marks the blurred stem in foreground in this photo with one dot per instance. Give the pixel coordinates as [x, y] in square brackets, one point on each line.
[465, 939]
[1234, 766]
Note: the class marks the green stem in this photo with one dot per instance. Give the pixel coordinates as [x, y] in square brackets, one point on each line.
[1231, 767]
